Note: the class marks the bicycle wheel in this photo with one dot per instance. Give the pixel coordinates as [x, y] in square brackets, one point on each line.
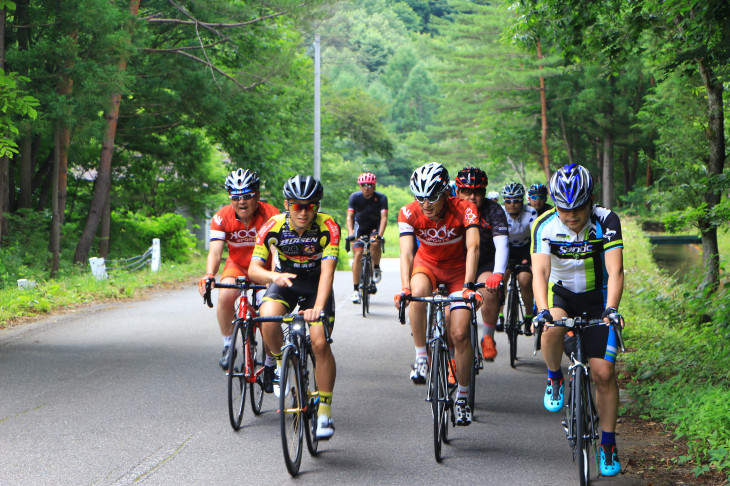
[257, 356]
[437, 403]
[310, 416]
[290, 411]
[236, 375]
[365, 281]
[581, 444]
[512, 324]
[474, 335]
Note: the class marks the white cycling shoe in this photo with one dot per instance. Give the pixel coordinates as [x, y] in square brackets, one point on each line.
[356, 297]
[325, 427]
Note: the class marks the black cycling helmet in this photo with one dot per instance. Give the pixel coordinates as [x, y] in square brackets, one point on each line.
[471, 178]
[537, 190]
[242, 181]
[571, 186]
[429, 180]
[304, 188]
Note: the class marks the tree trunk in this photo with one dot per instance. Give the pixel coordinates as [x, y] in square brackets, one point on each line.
[568, 147]
[715, 166]
[26, 170]
[106, 223]
[55, 240]
[543, 112]
[102, 185]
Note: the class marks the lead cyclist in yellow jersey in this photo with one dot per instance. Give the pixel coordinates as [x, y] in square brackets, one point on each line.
[307, 244]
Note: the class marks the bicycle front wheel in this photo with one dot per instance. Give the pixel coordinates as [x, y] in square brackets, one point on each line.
[290, 411]
[475, 366]
[439, 396]
[312, 399]
[365, 280]
[582, 445]
[237, 375]
[257, 355]
[512, 325]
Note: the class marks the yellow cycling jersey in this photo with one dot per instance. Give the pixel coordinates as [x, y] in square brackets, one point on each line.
[299, 254]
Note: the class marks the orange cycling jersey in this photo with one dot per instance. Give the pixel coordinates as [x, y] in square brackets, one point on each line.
[225, 226]
[441, 242]
[299, 254]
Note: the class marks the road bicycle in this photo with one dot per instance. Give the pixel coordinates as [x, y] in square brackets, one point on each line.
[366, 285]
[514, 314]
[581, 417]
[438, 390]
[246, 353]
[298, 393]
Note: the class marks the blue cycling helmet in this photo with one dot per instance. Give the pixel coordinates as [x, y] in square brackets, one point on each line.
[571, 186]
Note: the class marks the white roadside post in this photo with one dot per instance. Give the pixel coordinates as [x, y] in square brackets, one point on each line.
[155, 262]
[98, 268]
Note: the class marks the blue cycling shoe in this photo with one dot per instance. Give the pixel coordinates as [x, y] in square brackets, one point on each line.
[554, 395]
[610, 465]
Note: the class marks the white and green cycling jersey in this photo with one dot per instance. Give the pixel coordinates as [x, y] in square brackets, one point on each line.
[577, 259]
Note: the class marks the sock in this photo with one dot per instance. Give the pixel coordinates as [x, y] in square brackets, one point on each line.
[376, 266]
[555, 375]
[227, 340]
[356, 287]
[277, 358]
[270, 361]
[421, 352]
[528, 317]
[489, 329]
[325, 404]
[462, 392]
[608, 438]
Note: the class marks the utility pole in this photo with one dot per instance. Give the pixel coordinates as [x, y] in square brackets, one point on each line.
[317, 134]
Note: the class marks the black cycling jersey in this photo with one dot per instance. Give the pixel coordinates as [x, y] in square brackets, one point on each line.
[492, 222]
[545, 207]
[367, 211]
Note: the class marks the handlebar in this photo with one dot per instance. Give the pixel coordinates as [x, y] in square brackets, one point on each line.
[438, 298]
[296, 319]
[580, 323]
[241, 284]
[364, 239]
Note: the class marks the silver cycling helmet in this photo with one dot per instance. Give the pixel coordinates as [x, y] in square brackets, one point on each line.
[513, 190]
[429, 180]
[304, 188]
[537, 190]
[571, 186]
[242, 181]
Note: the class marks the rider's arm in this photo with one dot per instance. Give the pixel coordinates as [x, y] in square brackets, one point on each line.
[472, 254]
[324, 289]
[407, 251]
[540, 276]
[258, 272]
[501, 253]
[215, 253]
[383, 222]
[615, 267]
[350, 222]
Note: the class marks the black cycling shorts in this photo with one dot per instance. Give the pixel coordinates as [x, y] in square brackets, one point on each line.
[302, 286]
[521, 255]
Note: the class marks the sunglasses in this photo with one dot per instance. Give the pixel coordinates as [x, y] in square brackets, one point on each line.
[431, 199]
[302, 207]
[367, 185]
[512, 201]
[538, 198]
[245, 197]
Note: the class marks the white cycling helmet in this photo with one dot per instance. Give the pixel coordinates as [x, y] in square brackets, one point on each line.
[513, 190]
[429, 180]
[493, 195]
[571, 186]
[242, 181]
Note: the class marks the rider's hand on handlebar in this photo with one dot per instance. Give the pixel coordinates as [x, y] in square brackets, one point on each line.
[493, 281]
[350, 238]
[612, 313]
[469, 293]
[403, 293]
[543, 315]
[203, 281]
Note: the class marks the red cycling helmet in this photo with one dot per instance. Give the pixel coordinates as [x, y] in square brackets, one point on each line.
[367, 178]
[471, 178]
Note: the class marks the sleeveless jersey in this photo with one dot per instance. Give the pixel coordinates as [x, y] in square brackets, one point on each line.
[441, 242]
[519, 227]
[577, 259]
[367, 211]
[239, 238]
[299, 254]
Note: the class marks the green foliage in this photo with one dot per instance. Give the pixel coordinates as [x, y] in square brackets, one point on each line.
[132, 234]
[14, 104]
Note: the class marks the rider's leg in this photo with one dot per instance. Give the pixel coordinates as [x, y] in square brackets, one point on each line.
[225, 310]
[551, 342]
[375, 251]
[459, 334]
[326, 369]
[271, 331]
[356, 265]
[420, 287]
[604, 376]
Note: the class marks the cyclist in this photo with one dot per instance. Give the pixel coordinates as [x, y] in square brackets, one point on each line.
[519, 219]
[235, 226]
[307, 246]
[538, 198]
[367, 214]
[471, 184]
[493, 195]
[448, 231]
[578, 266]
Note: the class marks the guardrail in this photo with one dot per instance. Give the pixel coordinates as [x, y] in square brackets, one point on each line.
[152, 256]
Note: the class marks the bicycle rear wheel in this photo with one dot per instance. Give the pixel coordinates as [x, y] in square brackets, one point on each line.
[257, 357]
[582, 445]
[290, 411]
[236, 375]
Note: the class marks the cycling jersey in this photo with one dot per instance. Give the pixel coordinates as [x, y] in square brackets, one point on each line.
[519, 227]
[577, 259]
[492, 222]
[544, 209]
[240, 238]
[299, 254]
[442, 242]
[367, 211]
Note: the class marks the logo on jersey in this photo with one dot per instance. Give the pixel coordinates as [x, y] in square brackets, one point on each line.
[334, 231]
[576, 251]
[406, 212]
[218, 220]
[437, 235]
[609, 234]
[470, 217]
[264, 231]
[244, 235]
[309, 249]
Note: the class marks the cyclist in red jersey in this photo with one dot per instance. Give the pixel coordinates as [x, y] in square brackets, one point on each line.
[447, 229]
[235, 226]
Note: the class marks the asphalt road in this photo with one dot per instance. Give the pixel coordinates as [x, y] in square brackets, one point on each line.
[132, 392]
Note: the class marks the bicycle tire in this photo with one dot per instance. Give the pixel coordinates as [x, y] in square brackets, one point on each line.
[474, 335]
[365, 286]
[511, 324]
[290, 411]
[581, 444]
[310, 423]
[257, 357]
[437, 402]
[236, 375]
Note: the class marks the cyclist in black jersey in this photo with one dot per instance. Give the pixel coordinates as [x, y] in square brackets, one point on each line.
[537, 194]
[367, 214]
[307, 245]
